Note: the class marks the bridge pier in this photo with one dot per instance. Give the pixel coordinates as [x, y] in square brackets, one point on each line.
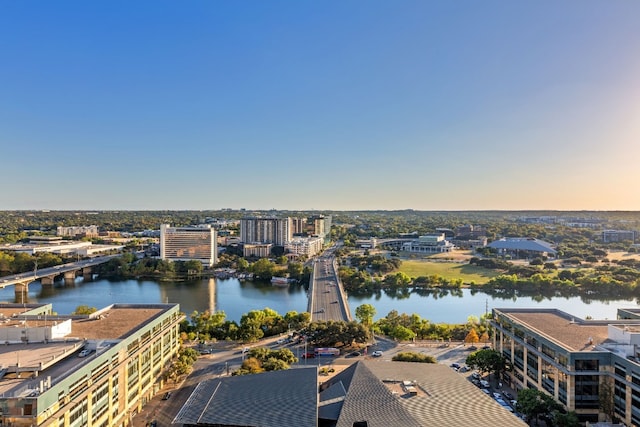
[22, 292]
[86, 274]
[47, 281]
[69, 278]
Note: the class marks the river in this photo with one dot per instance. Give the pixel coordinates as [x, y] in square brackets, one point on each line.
[236, 298]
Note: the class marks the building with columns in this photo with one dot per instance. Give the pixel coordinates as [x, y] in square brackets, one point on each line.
[581, 363]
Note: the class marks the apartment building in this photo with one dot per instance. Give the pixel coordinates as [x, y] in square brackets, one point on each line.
[307, 246]
[591, 367]
[83, 231]
[90, 370]
[189, 243]
[259, 250]
[266, 230]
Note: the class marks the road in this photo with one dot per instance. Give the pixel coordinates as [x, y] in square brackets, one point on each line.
[328, 301]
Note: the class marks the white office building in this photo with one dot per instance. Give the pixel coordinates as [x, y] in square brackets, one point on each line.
[188, 243]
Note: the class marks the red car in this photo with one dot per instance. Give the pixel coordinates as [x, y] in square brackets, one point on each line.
[310, 355]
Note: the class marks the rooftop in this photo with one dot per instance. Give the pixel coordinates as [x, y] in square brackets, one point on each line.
[375, 393]
[269, 399]
[113, 323]
[571, 333]
[522, 244]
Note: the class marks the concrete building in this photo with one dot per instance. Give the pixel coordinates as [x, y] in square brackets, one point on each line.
[260, 250]
[266, 230]
[62, 247]
[189, 243]
[609, 236]
[581, 363]
[430, 243]
[84, 231]
[308, 246]
[370, 243]
[91, 370]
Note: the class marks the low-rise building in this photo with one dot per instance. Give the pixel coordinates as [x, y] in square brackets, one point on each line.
[586, 365]
[307, 246]
[523, 247]
[610, 236]
[429, 243]
[89, 370]
[259, 250]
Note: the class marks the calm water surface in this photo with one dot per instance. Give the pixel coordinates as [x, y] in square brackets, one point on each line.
[236, 298]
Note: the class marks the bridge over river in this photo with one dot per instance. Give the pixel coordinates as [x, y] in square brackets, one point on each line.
[47, 275]
[327, 299]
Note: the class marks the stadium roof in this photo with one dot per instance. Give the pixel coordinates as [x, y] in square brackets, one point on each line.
[522, 244]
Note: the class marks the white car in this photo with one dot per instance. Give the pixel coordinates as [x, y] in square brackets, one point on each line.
[84, 353]
[376, 353]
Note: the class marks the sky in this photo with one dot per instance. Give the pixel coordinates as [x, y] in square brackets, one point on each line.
[336, 105]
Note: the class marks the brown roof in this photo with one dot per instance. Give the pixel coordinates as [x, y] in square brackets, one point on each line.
[114, 323]
[573, 334]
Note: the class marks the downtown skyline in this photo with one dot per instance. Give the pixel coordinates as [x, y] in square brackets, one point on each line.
[332, 105]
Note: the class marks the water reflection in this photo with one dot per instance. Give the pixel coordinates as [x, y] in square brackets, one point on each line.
[235, 298]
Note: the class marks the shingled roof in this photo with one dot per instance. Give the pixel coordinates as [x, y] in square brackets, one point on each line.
[270, 399]
[375, 394]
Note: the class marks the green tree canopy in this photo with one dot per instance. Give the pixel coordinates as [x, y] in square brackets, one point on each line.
[365, 314]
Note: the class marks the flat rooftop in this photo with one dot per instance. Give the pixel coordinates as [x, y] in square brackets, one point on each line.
[115, 323]
[51, 359]
[58, 358]
[570, 332]
[11, 310]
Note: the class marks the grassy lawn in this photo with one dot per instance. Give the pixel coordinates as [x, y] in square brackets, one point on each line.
[450, 270]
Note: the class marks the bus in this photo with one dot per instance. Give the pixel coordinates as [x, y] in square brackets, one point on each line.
[326, 351]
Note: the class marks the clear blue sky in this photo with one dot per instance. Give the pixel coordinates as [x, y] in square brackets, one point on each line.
[320, 104]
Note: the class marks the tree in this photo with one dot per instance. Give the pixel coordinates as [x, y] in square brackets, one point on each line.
[410, 356]
[402, 333]
[263, 269]
[84, 309]
[569, 419]
[533, 403]
[472, 337]
[365, 314]
[487, 361]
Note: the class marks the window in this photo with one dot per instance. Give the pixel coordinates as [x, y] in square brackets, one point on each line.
[587, 365]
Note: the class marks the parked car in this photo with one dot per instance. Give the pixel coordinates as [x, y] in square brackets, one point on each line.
[484, 384]
[376, 353]
[507, 395]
